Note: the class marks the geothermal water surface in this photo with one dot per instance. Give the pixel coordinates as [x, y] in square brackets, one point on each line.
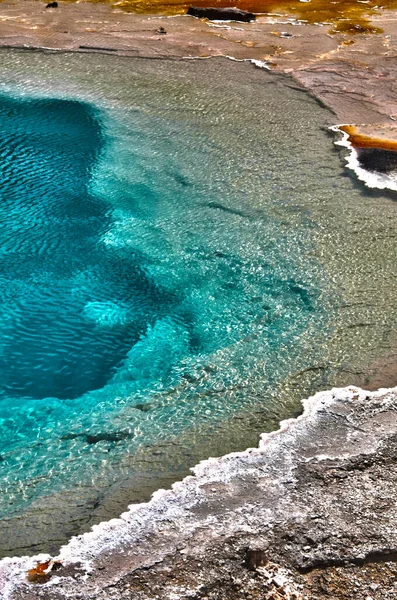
[182, 260]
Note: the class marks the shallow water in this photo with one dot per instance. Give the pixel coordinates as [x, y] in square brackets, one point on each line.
[179, 267]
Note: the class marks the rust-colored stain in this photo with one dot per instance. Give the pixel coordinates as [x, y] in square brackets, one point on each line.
[360, 140]
[345, 16]
[39, 573]
[42, 572]
[355, 26]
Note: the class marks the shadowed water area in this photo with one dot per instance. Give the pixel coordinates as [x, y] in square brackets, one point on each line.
[182, 259]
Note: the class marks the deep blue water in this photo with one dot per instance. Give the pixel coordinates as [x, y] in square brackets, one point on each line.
[52, 345]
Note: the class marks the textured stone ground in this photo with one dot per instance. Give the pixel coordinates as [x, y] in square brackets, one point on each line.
[310, 514]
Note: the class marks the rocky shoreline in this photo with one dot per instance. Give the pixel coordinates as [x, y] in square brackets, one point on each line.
[354, 75]
[309, 514]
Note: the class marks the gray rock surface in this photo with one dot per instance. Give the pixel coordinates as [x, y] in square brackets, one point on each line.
[309, 514]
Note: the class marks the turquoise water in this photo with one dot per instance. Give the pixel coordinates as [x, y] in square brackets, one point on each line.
[88, 314]
[70, 310]
[176, 245]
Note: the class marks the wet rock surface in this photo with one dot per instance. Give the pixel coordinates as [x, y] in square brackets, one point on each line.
[310, 514]
[221, 14]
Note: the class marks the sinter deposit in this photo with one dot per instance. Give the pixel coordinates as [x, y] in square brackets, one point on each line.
[311, 507]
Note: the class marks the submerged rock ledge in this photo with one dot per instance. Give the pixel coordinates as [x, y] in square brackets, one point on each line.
[308, 514]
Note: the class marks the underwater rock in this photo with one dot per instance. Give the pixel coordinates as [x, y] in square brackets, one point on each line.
[145, 406]
[221, 14]
[111, 436]
[52, 5]
[94, 438]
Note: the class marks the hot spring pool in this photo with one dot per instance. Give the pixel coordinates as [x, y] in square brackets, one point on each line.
[182, 260]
